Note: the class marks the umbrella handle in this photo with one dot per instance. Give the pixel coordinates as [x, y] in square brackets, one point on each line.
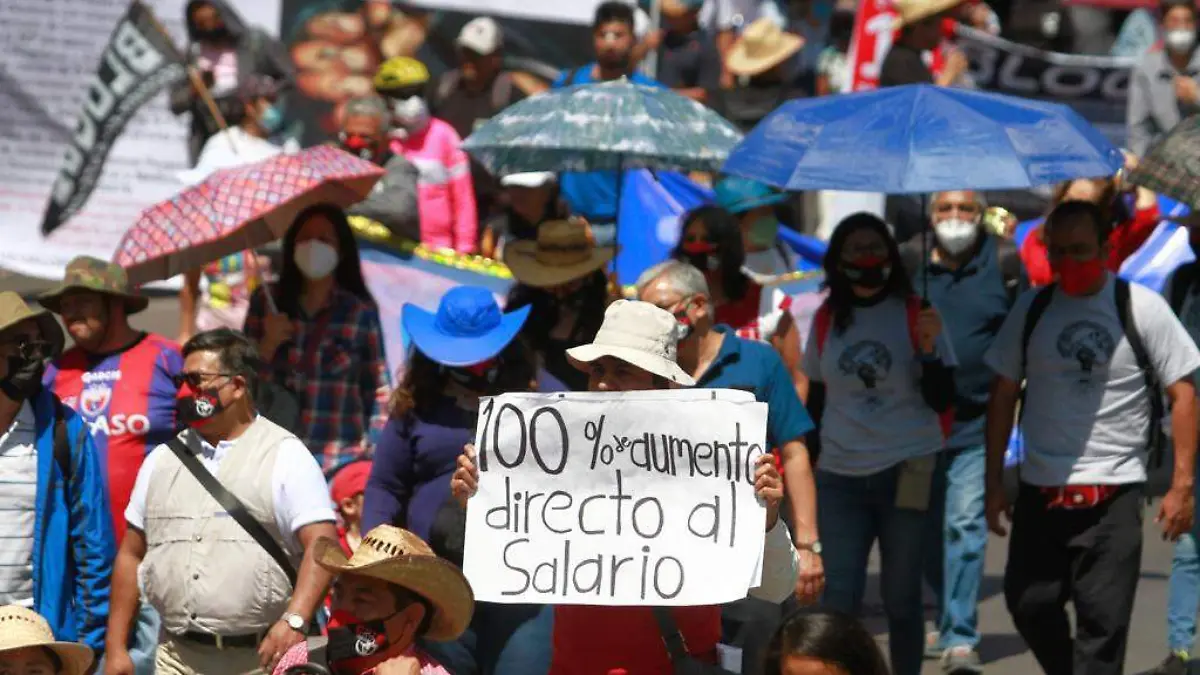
[257, 271]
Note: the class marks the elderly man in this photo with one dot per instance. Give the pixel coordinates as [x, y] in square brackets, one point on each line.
[393, 201]
[220, 518]
[973, 278]
[57, 541]
[590, 639]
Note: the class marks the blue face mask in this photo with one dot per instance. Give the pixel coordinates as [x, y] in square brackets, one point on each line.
[271, 120]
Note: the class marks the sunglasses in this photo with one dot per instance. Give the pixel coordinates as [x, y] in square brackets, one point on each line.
[195, 379]
[29, 348]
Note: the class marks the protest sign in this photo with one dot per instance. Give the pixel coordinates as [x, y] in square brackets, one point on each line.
[631, 498]
[870, 42]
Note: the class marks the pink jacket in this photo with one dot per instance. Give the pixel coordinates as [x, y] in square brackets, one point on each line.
[445, 195]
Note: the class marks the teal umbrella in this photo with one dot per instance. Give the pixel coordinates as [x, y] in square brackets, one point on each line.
[608, 126]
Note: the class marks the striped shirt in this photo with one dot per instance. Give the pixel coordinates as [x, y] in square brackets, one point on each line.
[18, 492]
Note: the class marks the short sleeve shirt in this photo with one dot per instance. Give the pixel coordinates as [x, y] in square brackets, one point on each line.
[1087, 410]
[904, 65]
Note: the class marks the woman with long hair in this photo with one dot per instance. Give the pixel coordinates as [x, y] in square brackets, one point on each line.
[823, 642]
[319, 336]
[881, 371]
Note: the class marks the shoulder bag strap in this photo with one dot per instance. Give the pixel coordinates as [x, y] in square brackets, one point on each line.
[672, 638]
[233, 506]
[1154, 435]
[1036, 309]
[1181, 284]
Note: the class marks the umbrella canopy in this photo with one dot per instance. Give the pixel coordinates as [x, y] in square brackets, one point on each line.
[239, 208]
[1172, 166]
[605, 126]
[920, 139]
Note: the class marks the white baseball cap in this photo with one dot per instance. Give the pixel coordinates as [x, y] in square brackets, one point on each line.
[531, 179]
[481, 35]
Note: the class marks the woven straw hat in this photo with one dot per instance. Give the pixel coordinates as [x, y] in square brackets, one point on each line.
[564, 251]
[21, 628]
[911, 11]
[762, 46]
[400, 557]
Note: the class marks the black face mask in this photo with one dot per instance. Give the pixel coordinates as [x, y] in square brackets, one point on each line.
[25, 370]
[220, 34]
[476, 378]
[354, 640]
[196, 408]
[872, 275]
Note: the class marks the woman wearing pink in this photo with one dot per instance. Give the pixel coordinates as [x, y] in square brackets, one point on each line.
[445, 194]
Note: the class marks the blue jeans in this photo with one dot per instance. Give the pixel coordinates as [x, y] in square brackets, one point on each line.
[501, 640]
[959, 537]
[1183, 590]
[853, 512]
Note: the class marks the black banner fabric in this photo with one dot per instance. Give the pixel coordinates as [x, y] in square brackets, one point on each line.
[1095, 86]
[139, 61]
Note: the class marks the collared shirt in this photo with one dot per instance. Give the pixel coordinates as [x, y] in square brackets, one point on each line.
[756, 367]
[18, 508]
[298, 489]
[1153, 109]
[342, 407]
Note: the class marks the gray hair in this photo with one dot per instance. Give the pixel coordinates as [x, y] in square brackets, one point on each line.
[980, 199]
[679, 277]
[368, 106]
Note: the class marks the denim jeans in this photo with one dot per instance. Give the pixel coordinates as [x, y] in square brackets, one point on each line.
[958, 537]
[1183, 591]
[853, 512]
[501, 640]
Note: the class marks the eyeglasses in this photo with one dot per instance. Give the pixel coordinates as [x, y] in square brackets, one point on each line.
[195, 379]
[27, 347]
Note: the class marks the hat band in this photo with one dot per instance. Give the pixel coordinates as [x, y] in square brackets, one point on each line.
[553, 255]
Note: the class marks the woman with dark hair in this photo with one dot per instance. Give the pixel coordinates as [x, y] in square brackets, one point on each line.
[823, 642]
[468, 349]
[319, 336]
[881, 371]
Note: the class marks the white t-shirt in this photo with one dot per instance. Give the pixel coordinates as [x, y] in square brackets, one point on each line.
[1086, 406]
[18, 504]
[299, 492]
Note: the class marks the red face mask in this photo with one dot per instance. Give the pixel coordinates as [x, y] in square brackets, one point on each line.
[694, 247]
[1078, 277]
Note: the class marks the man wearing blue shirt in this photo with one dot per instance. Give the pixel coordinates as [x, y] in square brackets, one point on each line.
[593, 195]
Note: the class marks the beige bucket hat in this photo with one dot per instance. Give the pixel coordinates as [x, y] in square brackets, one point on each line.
[13, 311]
[909, 12]
[639, 334]
[762, 46]
[564, 251]
[21, 628]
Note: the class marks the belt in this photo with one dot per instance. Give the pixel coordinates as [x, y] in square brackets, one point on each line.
[250, 640]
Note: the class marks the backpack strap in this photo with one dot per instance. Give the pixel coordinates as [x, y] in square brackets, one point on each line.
[1154, 436]
[62, 445]
[1008, 258]
[822, 322]
[1181, 284]
[1036, 309]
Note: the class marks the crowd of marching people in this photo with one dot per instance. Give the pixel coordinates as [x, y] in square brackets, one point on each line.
[311, 492]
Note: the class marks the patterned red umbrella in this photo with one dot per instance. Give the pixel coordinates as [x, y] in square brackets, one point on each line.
[240, 208]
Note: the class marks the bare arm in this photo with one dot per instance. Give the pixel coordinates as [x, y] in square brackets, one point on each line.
[123, 606]
[1002, 408]
[1178, 509]
[312, 582]
[786, 341]
[188, 297]
[801, 490]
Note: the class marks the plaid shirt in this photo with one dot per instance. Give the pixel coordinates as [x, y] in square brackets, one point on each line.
[343, 390]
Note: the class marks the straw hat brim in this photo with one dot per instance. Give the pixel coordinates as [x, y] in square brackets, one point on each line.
[910, 13]
[521, 259]
[739, 62]
[52, 299]
[584, 354]
[435, 579]
[76, 658]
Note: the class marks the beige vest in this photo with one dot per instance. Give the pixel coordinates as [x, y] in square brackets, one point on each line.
[202, 571]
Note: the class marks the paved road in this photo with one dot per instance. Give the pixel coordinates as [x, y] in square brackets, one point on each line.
[1003, 651]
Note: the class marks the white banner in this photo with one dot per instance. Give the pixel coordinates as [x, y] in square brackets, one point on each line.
[631, 498]
[51, 51]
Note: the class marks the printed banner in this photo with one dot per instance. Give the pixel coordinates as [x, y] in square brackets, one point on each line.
[870, 42]
[642, 498]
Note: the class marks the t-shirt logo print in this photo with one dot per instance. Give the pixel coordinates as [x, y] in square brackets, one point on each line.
[870, 362]
[1088, 343]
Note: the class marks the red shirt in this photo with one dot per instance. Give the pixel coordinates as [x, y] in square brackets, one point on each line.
[1124, 241]
[594, 640]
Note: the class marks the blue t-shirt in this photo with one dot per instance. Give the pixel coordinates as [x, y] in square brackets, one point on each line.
[593, 195]
[756, 367]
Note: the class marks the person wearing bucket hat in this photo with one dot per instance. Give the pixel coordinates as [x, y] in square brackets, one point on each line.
[755, 205]
[393, 592]
[465, 350]
[28, 647]
[65, 577]
[561, 277]
[635, 350]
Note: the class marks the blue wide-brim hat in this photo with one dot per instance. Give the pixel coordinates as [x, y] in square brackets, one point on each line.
[738, 195]
[468, 327]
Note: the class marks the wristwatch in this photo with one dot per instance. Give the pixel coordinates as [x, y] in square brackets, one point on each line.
[814, 546]
[295, 622]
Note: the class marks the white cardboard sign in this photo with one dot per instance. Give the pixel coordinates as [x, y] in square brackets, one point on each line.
[631, 498]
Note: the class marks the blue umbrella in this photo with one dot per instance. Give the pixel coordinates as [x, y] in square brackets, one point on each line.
[918, 139]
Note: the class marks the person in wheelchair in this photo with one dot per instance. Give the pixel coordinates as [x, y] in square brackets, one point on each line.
[391, 592]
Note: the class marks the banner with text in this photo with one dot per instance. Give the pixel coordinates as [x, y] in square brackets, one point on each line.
[870, 42]
[636, 498]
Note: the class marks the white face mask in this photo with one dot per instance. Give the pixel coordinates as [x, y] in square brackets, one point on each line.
[1179, 40]
[316, 259]
[411, 113]
[956, 236]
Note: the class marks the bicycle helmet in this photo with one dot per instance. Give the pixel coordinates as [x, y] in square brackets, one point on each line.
[400, 73]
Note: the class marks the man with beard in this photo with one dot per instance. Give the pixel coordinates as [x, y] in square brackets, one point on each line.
[593, 194]
[393, 201]
[119, 380]
[56, 538]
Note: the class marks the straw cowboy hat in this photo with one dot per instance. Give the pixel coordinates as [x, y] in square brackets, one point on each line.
[564, 251]
[400, 557]
[639, 334]
[21, 628]
[13, 311]
[911, 11]
[86, 273]
[762, 46]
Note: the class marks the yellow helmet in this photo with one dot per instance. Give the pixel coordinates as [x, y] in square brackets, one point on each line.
[400, 72]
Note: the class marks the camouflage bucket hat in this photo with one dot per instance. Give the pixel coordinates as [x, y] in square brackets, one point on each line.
[86, 273]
